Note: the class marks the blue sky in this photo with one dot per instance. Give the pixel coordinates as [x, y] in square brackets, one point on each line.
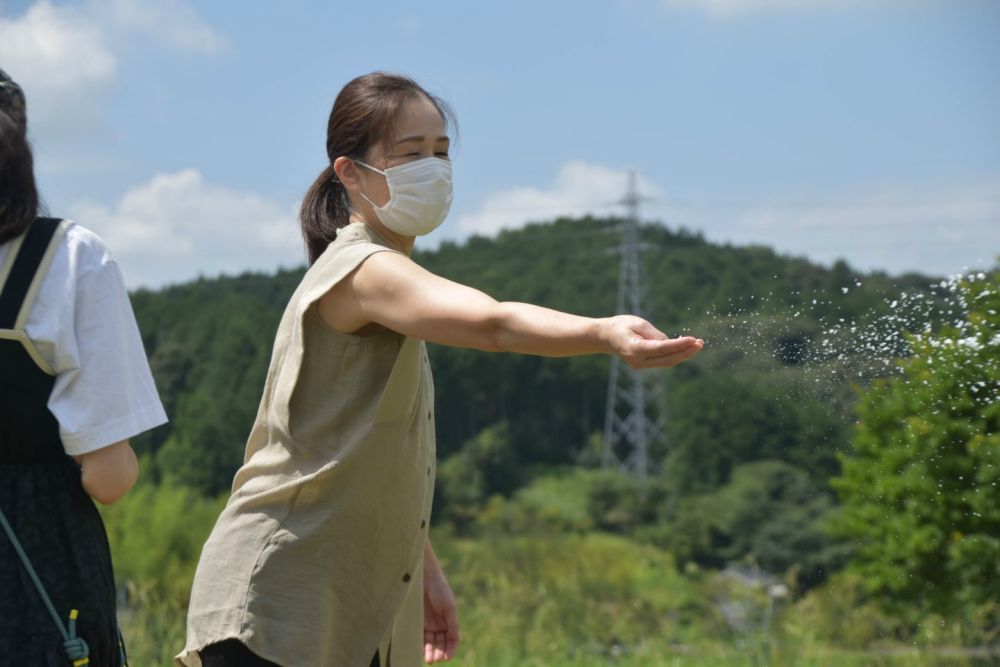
[186, 133]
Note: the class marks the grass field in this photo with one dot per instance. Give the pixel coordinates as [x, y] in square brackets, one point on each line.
[596, 600]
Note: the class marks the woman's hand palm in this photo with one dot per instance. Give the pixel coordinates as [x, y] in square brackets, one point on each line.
[641, 345]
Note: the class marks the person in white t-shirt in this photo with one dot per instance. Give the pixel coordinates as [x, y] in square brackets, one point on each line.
[75, 385]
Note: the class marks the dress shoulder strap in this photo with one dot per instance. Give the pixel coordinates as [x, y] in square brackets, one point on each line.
[22, 275]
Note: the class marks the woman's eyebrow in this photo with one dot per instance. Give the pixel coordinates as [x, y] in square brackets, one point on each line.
[420, 137]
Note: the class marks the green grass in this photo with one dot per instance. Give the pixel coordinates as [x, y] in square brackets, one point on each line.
[557, 600]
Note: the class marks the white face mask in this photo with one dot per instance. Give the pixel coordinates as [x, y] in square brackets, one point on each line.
[419, 196]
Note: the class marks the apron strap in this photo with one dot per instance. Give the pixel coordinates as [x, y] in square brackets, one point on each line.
[34, 252]
[77, 651]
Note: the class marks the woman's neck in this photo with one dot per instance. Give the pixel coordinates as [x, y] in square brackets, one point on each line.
[403, 244]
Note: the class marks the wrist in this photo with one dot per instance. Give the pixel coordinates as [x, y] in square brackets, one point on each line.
[431, 564]
[603, 336]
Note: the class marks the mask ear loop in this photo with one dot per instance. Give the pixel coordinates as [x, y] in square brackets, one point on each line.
[373, 204]
[365, 164]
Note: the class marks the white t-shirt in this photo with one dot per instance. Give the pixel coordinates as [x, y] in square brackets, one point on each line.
[82, 324]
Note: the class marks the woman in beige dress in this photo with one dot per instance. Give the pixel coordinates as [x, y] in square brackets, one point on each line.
[322, 555]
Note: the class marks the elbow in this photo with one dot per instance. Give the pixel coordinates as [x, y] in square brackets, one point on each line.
[495, 328]
[493, 332]
[112, 491]
[108, 477]
[110, 488]
[495, 341]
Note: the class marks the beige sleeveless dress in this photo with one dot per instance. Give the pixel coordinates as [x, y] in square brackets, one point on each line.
[317, 558]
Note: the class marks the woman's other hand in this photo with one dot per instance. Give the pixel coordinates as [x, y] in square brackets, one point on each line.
[441, 633]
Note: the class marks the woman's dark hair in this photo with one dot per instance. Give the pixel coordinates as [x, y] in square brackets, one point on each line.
[18, 193]
[363, 115]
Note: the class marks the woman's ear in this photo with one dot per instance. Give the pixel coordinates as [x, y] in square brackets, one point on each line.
[347, 173]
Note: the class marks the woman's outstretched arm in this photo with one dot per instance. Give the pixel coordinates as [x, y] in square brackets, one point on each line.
[391, 290]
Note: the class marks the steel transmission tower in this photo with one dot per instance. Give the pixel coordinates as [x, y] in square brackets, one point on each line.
[635, 413]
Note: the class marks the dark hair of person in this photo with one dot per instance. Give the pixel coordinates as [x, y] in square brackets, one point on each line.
[363, 116]
[19, 202]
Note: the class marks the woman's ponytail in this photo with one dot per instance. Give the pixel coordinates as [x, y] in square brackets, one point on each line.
[325, 209]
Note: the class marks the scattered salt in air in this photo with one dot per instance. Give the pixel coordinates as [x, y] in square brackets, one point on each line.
[835, 347]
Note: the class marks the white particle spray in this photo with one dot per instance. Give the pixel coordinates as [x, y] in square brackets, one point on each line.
[833, 349]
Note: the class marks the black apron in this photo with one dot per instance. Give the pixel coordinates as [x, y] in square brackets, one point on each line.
[41, 496]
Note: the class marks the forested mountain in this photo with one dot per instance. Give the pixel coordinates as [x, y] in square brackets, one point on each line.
[755, 422]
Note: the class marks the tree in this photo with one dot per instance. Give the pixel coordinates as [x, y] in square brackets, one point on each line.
[752, 416]
[921, 490]
[486, 466]
[770, 513]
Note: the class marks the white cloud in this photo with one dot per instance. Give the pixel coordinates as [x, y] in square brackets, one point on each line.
[66, 56]
[169, 22]
[177, 227]
[579, 188]
[937, 231]
[61, 59]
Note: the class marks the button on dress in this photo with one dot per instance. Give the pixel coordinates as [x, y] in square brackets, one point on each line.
[317, 558]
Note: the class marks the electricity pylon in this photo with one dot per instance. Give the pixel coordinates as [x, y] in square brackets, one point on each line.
[635, 413]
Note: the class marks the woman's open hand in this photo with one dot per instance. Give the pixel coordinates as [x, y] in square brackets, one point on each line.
[641, 345]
